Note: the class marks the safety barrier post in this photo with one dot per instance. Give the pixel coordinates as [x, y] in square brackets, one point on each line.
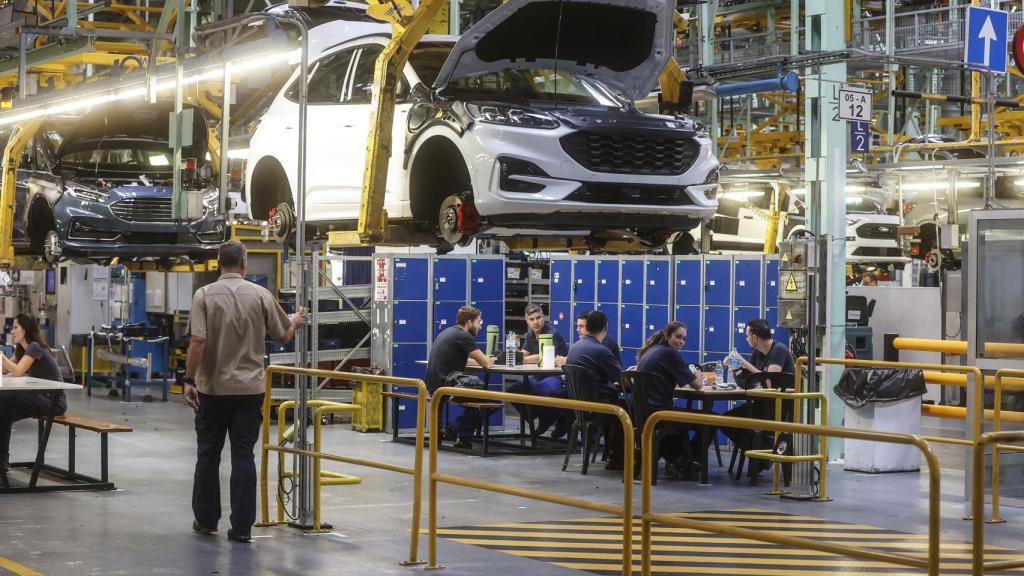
[777, 459]
[648, 517]
[625, 511]
[416, 471]
[978, 564]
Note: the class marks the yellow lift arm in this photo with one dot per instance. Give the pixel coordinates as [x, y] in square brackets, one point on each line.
[23, 132]
[672, 75]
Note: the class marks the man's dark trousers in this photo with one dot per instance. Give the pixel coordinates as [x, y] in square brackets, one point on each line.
[238, 417]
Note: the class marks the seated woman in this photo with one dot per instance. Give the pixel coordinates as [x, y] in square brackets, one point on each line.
[31, 358]
[660, 355]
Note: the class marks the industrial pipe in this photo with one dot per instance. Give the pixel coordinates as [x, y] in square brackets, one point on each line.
[959, 413]
[953, 347]
[790, 82]
[1004, 102]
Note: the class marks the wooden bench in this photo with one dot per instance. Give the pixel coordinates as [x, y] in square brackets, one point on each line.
[102, 428]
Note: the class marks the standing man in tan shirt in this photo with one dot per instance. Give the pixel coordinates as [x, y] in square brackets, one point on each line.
[229, 324]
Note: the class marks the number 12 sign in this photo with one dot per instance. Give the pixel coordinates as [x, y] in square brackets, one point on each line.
[854, 104]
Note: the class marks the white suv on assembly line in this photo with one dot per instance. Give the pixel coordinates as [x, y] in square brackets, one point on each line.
[526, 122]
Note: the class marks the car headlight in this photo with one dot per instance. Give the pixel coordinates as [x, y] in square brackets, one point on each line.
[512, 116]
[85, 193]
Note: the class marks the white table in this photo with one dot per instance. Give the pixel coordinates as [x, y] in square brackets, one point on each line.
[11, 386]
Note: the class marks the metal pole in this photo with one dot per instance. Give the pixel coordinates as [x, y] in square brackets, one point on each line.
[22, 65]
[225, 137]
[990, 177]
[180, 205]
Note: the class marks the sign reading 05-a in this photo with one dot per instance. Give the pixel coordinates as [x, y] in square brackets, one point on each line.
[854, 104]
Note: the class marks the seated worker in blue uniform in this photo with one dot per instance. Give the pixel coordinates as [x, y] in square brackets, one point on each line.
[451, 350]
[661, 355]
[768, 356]
[581, 331]
[549, 385]
[588, 352]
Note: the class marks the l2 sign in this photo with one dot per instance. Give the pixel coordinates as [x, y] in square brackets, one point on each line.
[985, 40]
[860, 137]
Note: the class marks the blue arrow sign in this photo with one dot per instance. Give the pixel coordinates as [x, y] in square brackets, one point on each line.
[985, 41]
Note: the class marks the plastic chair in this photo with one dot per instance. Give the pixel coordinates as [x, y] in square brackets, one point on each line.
[579, 384]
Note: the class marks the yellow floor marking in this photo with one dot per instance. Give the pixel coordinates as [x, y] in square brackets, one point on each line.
[12, 566]
[708, 539]
[766, 524]
[706, 549]
[661, 529]
[702, 559]
[765, 516]
[612, 567]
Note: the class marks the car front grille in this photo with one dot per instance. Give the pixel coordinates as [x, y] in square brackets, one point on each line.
[876, 231]
[143, 209]
[871, 251]
[631, 154]
[637, 194]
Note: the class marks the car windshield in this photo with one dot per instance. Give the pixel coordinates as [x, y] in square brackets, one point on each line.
[119, 157]
[428, 58]
[863, 205]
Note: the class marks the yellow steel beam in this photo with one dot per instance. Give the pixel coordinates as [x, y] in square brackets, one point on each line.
[40, 7]
[121, 47]
[23, 132]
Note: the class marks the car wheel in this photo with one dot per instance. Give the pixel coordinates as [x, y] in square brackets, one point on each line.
[457, 219]
[282, 221]
[684, 244]
[51, 247]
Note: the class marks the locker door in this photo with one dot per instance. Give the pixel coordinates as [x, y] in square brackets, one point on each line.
[408, 354]
[631, 318]
[747, 282]
[780, 334]
[687, 282]
[444, 316]
[612, 312]
[628, 357]
[690, 315]
[657, 317]
[577, 309]
[493, 313]
[561, 280]
[717, 285]
[409, 322]
[771, 282]
[487, 279]
[739, 336]
[562, 319]
[410, 278]
[656, 282]
[608, 280]
[584, 276]
[450, 279]
[632, 282]
[716, 329]
[690, 357]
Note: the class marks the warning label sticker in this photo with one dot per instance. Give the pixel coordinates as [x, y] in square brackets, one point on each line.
[794, 285]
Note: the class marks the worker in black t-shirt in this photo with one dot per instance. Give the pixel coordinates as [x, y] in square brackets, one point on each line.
[767, 356]
[451, 350]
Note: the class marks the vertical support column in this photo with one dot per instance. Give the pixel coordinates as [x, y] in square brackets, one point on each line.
[890, 68]
[225, 141]
[707, 58]
[179, 204]
[454, 17]
[825, 175]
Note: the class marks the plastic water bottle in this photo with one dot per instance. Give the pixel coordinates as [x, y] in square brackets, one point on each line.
[718, 374]
[734, 363]
[510, 349]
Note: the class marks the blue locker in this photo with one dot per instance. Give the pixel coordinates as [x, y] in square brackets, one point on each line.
[688, 283]
[450, 279]
[487, 282]
[493, 313]
[410, 278]
[740, 318]
[584, 277]
[408, 323]
[771, 282]
[714, 356]
[656, 283]
[628, 357]
[717, 283]
[657, 317]
[607, 280]
[408, 353]
[562, 319]
[631, 326]
[561, 280]
[690, 357]
[406, 408]
[780, 334]
[747, 281]
[612, 312]
[716, 329]
[444, 316]
[577, 309]
[632, 282]
[690, 315]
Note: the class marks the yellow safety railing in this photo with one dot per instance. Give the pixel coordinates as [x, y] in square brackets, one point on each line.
[625, 511]
[648, 517]
[320, 477]
[978, 564]
[996, 425]
[416, 471]
[768, 454]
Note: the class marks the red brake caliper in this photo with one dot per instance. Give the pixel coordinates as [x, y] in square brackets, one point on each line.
[468, 219]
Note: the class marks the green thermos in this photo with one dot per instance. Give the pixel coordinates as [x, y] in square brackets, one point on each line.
[543, 341]
[492, 339]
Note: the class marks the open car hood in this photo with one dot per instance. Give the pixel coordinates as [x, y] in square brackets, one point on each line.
[622, 43]
[141, 123]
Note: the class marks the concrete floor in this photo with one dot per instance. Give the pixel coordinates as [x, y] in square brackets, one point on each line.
[145, 526]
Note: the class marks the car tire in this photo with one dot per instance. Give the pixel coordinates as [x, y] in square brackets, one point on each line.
[51, 247]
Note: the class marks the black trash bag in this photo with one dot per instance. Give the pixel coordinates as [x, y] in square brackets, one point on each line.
[858, 386]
